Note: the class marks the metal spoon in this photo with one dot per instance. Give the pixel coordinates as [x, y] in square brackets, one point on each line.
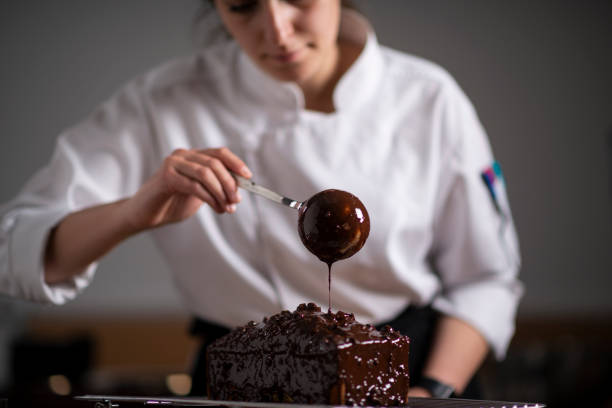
[267, 193]
[332, 224]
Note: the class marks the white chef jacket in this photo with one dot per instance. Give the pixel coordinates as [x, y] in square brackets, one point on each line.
[404, 139]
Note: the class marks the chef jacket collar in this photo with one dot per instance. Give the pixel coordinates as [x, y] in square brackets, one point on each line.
[284, 100]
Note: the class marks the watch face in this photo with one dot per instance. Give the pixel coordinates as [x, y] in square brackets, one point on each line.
[444, 392]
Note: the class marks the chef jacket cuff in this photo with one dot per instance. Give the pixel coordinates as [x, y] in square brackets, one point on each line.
[489, 307]
[28, 243]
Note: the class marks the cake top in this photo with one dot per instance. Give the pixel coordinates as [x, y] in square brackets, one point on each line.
[306, 330]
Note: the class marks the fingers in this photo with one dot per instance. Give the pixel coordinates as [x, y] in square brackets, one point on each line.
[207, 175]
[230, 161]
[211, 167]
[202, 179]
[186, 185]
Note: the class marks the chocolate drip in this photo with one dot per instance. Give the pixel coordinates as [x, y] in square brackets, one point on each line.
[333, 225]
[329, 287]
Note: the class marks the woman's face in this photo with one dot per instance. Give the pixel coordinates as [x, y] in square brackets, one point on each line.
[291, 40]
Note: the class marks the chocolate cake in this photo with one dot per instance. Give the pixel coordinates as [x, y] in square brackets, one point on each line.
[310, 357]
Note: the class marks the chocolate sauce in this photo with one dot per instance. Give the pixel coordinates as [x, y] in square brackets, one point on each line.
[311, 357]
[333, 225]
[328, 288]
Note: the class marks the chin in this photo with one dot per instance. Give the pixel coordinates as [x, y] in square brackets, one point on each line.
[298, 74]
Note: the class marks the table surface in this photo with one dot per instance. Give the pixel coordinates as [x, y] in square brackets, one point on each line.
[414, 402]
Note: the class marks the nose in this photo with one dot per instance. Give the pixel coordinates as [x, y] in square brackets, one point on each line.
[278, 22]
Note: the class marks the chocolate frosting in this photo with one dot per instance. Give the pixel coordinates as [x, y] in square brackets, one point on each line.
[308, 356]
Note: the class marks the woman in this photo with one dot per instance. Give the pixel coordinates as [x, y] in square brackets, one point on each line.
[304, 98]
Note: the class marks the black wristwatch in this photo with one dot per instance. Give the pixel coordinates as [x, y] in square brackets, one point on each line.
[435, 387]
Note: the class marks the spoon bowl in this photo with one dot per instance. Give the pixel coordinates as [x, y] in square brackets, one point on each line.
[333, 225]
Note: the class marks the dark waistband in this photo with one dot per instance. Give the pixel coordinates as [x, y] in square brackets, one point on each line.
[204, 328]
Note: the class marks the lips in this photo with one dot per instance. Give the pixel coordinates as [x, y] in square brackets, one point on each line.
[286, 56]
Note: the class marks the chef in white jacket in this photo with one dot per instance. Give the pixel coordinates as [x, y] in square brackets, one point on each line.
[303, 98]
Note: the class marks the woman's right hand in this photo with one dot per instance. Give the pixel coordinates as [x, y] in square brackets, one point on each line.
[186, 180]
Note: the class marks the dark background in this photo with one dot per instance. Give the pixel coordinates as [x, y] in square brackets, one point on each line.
[538, 72]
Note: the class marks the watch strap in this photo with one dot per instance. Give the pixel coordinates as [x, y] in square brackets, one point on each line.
[436, 388]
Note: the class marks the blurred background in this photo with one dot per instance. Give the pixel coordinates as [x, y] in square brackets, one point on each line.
[540, 76]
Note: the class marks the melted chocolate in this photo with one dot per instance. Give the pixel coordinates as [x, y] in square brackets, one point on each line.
[333, 225]
[310, 357]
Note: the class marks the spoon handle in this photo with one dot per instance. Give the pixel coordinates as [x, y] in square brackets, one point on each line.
[267, 193]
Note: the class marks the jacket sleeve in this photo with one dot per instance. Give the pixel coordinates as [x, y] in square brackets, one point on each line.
[102, 159]
[475, 249]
